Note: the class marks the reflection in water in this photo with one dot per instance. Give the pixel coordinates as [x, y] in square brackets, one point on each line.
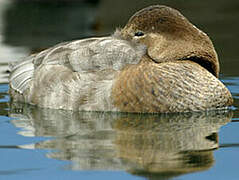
[147, 145]
[4, 99]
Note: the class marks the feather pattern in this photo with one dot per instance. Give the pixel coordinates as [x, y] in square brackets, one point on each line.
[73, 69]
[21, 74]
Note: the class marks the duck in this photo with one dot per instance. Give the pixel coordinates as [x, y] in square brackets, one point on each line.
[159, 62]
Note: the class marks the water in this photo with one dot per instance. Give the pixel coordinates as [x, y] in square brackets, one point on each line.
[49, 144]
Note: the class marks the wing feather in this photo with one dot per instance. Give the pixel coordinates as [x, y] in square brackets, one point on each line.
[92, 54]
[21, 73]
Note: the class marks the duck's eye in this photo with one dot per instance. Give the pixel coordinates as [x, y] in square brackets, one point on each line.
[139, 33]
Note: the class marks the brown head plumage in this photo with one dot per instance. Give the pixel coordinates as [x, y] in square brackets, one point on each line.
[169, 36]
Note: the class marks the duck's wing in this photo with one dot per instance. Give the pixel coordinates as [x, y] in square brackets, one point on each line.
[87, 55]
[104, 53]
[92, 54]
[21, 74]
[22, 71]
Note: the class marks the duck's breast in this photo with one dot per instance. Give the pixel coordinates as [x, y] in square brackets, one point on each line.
[179, 86]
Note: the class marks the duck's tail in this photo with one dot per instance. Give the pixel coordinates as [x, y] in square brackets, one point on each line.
[21, 74]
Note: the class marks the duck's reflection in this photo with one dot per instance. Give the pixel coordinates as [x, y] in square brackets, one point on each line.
[147, 145]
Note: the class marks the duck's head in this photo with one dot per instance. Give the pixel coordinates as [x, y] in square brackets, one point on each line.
[169, 36]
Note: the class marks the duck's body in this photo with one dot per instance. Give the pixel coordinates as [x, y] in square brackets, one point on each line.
[165, 71]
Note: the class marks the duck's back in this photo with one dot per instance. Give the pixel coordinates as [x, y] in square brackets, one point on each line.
[72, 74]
